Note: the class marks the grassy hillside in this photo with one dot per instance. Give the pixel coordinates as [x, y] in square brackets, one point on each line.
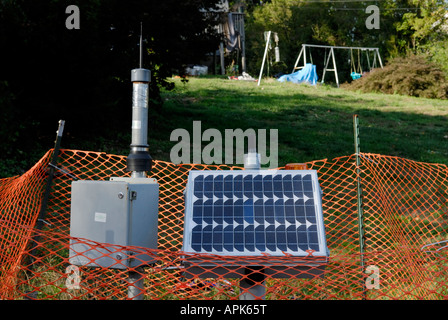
[312, 122]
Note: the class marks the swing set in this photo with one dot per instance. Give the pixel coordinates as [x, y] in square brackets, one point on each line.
[356, 69]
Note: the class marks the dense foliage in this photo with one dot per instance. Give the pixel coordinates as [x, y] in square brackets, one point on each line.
[412, 76]
[49, 72]
[405, 26]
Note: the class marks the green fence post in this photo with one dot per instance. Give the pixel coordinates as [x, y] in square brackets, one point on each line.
[359, 194]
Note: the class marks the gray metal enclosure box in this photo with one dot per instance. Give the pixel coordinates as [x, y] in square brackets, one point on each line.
[123, 212]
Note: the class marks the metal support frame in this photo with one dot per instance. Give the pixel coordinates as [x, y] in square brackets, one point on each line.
[135, 284]
[331, 54]
[335, 70]
[298, 60]
[253, 286]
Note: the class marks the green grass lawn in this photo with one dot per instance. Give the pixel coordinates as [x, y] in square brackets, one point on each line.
[313, 122]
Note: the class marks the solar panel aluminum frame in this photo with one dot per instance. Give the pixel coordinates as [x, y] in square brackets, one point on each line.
[301, 263]
[237, 267]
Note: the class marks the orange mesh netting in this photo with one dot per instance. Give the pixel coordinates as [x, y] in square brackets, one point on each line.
[404, 213]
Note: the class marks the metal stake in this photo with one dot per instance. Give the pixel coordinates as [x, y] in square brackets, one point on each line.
[359, 191]
[52, 165]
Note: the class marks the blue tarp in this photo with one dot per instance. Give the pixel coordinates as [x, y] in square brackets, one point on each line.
[307, 74]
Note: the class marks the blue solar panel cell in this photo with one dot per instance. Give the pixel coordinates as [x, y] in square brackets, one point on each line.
[254, 212]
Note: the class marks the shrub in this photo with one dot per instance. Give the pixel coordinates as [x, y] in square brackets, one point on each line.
[413, 76]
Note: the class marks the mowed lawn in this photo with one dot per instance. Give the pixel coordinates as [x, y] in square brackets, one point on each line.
[313, 122]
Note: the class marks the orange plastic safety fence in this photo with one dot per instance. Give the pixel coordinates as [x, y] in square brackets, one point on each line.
[405, 206]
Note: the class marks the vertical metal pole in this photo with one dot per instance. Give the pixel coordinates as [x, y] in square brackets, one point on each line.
[359, 193]
[374, 61]
[221, 56]
[243, 39]
[139, 161]
[254, 285]
[368, 60]
[304, 56]
[135, 281]
[264, 57]
[141, 45]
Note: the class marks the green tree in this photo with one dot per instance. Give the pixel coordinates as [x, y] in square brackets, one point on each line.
[314, 22]
[422, 25]
[404, 25]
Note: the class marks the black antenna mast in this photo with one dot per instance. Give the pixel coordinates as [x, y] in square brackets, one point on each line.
[141, 43]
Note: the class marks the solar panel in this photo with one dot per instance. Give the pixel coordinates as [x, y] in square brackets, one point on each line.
[254, 212]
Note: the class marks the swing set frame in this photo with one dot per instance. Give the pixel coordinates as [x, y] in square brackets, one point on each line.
[303, 54]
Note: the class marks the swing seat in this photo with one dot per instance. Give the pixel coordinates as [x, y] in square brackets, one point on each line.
[355, 75]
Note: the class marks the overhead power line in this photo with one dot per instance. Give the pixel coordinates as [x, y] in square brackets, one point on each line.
[356, 1]
[386, 9]
[363, 9]
[331, 2]
[336, 1]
